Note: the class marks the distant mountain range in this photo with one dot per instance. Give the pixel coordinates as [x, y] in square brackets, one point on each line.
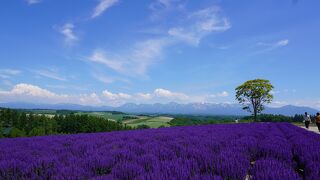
[169, 108]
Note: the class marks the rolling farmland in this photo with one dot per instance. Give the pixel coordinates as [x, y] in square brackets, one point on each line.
[153, 122]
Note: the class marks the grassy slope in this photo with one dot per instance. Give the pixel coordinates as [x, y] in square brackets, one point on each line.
[153, 122]
[107, 115]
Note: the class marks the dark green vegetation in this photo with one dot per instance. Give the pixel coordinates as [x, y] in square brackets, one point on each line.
[274, 118]
[254, 94]
[15, 123]
[182, 120]
[20, 123]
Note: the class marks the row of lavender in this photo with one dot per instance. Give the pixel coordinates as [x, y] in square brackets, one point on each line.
[236, 151]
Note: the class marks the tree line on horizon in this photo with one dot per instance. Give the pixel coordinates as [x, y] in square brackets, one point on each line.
[15, 123]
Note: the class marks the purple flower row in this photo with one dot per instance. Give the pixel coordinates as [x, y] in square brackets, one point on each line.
[234, 151]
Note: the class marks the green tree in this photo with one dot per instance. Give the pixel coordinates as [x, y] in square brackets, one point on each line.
[22, 121]
[1, 130]
[143, 126]
[254, 94]
[37, 131]
[15, 132]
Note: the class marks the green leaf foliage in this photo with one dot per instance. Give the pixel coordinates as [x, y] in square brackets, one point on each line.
[254, 94]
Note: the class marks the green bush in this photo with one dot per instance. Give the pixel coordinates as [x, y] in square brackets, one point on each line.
[37, 131]
[143, 126]
[15, 132]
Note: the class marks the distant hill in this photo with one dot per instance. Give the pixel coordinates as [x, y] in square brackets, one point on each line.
[169, 108]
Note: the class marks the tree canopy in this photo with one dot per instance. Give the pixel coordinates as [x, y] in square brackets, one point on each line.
[254, 94]
[15, 123]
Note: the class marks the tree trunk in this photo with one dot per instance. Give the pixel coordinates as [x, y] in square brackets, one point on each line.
[255, 114]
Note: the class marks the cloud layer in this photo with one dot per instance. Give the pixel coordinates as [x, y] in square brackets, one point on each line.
[137, 61]
[200, 24]
[134, 63]
[67, 31]
[35, 94]
[102, 7]
[8, 73]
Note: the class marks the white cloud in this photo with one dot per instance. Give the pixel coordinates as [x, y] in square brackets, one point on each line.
[135, 62]
[282, 43]
[271, 46]
[278, 103]
[115, 96]
[103, 6]
[31, 90]
[101, 57]
[91, 99]
[35, 94]
[223, 94]
[218, 95]
[145, 53]
[8, 73]
[67, 31]
[164, 93]
[50, 73]
[33, 1]
[144, 96]
[184, 35]
[166, 3]
[160, 8]
[30, 93]
[199, 25]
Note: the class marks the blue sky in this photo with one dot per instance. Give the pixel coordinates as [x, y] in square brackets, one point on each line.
[110, 52]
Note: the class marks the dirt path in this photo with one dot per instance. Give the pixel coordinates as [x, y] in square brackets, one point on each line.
[311, 128]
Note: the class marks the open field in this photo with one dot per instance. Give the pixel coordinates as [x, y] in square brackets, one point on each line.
[133, 120]
[233, 151]
[153, 122]
[107, 115]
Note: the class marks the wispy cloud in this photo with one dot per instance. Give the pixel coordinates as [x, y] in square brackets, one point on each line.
[50, 73]
[108, 79]
[33, 1]
[101, 57]
[103, 6]
[280, 43]
[137, 61]
[8, 73]
[160, 8]
[134, 63]
[67, 31]
[269, 46]
[103, 78]
[200, 24]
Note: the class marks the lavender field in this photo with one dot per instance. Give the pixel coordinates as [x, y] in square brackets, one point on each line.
[235, 151]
